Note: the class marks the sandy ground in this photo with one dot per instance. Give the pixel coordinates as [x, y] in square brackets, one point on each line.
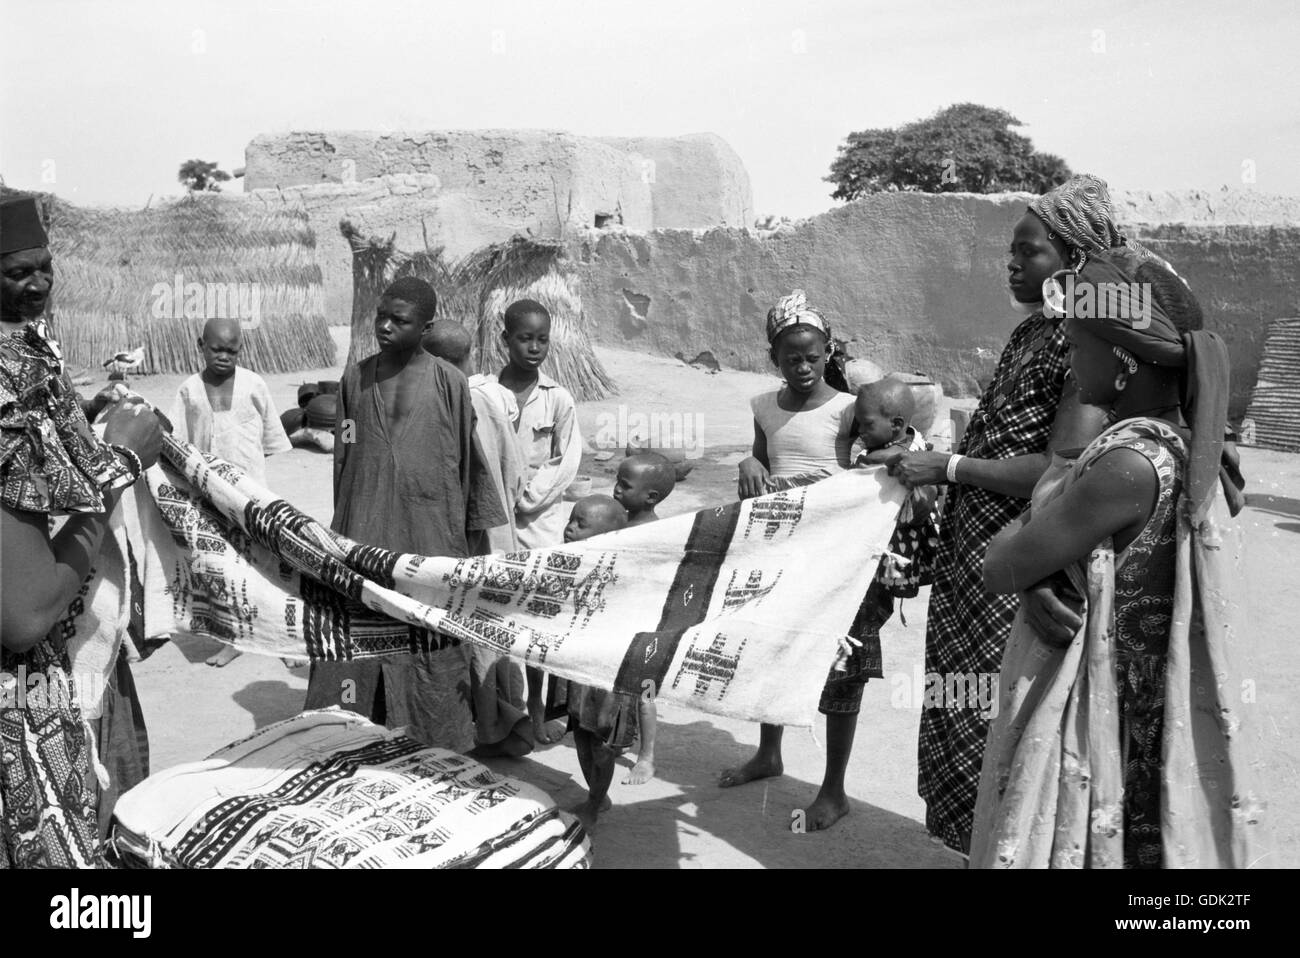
[682, 819]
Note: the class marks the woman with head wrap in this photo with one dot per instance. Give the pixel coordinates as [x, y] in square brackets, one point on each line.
[1027, 413]
[1124, 745]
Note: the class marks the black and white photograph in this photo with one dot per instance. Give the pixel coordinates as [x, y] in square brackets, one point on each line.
[740, 435]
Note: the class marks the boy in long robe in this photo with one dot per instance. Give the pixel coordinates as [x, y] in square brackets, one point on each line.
[408, 476]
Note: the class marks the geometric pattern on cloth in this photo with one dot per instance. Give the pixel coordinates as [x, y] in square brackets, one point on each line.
[968, 627]
[329, 789]
[50, 460]
[620, 612]
[47, 809]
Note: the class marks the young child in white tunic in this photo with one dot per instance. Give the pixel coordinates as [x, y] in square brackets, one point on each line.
[228, 411]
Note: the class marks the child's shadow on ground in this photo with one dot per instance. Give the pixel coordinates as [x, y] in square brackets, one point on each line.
[197, 648]
[269, 701]
[653, 826]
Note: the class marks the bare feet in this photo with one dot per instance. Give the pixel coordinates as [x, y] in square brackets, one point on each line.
[642, 772]
[760, 766]
[588, 812]
[547, 733]
[540, 735]
[224, 656]
[825, 811]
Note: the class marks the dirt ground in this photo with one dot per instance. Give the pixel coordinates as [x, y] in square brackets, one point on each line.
[682, 819]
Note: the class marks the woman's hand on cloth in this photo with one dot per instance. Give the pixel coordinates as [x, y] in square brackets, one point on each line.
[845, 652]
[920, 468]
[133, 423]
[1054, 619]
[754, 479]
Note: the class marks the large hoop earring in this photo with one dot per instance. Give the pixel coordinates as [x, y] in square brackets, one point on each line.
[1054, 305]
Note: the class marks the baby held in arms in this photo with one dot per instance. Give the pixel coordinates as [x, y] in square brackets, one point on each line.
[883, 412]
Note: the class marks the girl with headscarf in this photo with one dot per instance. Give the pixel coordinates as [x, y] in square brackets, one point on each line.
[1124, 745]
[1027, 413]
[803, 432]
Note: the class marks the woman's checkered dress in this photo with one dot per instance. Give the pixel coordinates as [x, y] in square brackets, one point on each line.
[969, 627]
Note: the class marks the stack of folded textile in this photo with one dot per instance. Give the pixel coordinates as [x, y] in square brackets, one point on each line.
[329, 789]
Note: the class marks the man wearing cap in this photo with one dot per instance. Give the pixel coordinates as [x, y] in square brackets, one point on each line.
[52, 464]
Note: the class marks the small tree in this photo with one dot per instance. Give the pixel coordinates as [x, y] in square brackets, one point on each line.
[966, 147]
[199, 176]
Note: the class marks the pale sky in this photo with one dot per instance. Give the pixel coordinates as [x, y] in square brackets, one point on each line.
[102, 101]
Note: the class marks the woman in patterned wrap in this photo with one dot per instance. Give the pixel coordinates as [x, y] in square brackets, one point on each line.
[1027, 413]
[1122, 743]
[51, 463]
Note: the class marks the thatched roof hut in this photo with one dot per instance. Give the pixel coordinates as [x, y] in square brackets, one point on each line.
[475, 292]
[130, 278]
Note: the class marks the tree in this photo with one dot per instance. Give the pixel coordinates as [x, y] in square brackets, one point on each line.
[198, 176]
[966, 147]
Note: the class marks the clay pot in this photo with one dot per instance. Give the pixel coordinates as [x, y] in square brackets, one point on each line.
[861, 372]
[580, 488]
[323, 411]
[292, 420]
[928, 395]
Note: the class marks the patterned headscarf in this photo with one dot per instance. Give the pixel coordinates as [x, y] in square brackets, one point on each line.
[793, 310]
[1080, 212]
[1169, 334]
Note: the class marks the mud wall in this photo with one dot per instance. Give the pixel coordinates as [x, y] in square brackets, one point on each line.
[912, 281]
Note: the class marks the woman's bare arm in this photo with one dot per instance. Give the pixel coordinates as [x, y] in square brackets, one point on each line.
[759, 450]
[754, 470]
[1074, 427]
[1112, 500]
[39, 576]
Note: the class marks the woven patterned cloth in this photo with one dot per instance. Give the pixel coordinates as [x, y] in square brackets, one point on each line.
[328, 789]
[50, 460]
[713, 610]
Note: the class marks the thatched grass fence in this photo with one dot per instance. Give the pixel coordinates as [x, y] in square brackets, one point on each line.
[124, 279]
[475, 292]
